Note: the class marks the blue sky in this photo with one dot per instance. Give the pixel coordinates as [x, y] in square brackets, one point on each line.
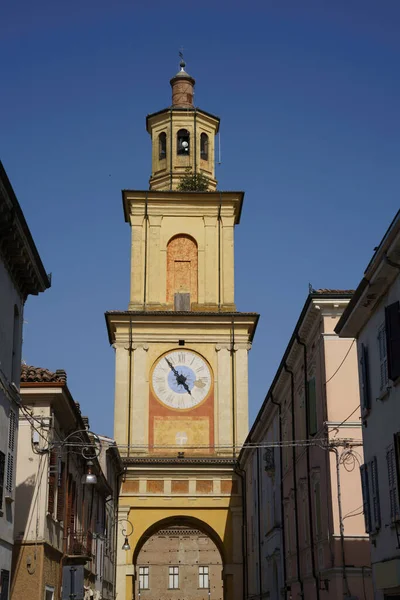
[308, 94]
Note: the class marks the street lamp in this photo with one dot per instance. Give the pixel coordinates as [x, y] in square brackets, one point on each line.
[126, 545]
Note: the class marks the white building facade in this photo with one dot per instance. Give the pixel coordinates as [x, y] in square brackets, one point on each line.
[373, 317]
[261, 466]
[21, 274]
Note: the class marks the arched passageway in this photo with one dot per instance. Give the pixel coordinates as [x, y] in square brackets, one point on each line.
[179, 559]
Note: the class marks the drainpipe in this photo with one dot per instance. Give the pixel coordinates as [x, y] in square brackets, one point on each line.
[296, 506]
[146, 222]
[170, 150]
[339, 498]
[195, 140]
[242, 475]
[310, 510]
[233, 388]
[219, 251]
[130, 351]
[278, 404]
[259, 523]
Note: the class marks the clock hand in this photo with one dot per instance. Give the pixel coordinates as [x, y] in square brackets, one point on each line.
[180, 379]
[171, 366]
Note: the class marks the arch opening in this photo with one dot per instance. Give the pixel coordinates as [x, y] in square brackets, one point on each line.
[162, 145]
[179, 557]
[204, 146]
[182, 271]
[183, 142]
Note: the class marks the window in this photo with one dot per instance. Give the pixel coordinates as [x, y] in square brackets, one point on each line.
[16, 361]
[392, 476]
[312, 407]
[365, 388]
[376, 510]
[365, 495]
[317, 502]
[2, 471]
[61, 492]
[183, 142]
[52, 482]
[143, 578]
[392, 326]
[49, 593]
[173, 582]
[204, 582]
[4, 584]
[204, 146]
[383, 357]
[162, 145]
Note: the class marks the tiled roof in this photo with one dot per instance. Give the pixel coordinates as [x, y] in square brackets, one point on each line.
[327, 291]
[182, 313]
[31, 374]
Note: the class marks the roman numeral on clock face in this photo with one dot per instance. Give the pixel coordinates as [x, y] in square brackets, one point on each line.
[181, 379]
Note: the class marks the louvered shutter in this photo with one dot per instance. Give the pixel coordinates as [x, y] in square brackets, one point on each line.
[312, 407]
[392, 324]
[2, 474]
[11, 430]
[376, 509]
[365, 391]
[365, 494]
[10, 472]
[52, 482]
[72, 507]
[73, 582]
[61, 492]
[393, 496]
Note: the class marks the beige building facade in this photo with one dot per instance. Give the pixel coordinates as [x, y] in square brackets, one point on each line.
[65, 529]
[181, 384]
[321, 549]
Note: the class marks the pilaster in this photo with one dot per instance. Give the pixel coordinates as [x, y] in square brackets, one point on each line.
[241, 392]
[153, 267]
[223, 400]
[121, 393]
[137, 257]
[228, 260]
[140, 399]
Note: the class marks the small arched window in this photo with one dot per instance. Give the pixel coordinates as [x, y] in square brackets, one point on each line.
[183, 142]
[204, 146]
[162, 145]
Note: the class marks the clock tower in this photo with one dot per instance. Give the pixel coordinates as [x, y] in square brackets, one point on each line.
[181, 382]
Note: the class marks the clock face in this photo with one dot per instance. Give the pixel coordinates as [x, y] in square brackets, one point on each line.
[181, 379]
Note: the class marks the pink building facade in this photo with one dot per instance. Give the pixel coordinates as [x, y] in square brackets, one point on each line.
[315, 394]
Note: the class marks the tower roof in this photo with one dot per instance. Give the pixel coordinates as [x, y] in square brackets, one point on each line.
[182, 88]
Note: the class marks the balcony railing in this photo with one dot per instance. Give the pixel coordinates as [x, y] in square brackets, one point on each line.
[79, 543]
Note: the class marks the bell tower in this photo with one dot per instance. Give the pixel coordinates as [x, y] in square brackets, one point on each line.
[181, 375]
[183, 137]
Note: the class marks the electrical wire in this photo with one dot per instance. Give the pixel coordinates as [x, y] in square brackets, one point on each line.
[346, 355]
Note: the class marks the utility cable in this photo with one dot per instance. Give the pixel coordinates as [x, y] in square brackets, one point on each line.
[346, 355]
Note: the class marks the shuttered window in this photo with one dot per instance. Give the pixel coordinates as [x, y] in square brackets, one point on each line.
[2, 474]
[10, 472]
[312, 408]
[317, 502]
[392, 322]
[11, 431]
[52, 482]
[366, 499]
[382, 357]
[61, 492]
[392, 477]
[365, 387]
[4, 584]
[376, 509]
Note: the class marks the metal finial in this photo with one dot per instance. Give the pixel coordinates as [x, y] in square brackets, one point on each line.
[182, 63]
